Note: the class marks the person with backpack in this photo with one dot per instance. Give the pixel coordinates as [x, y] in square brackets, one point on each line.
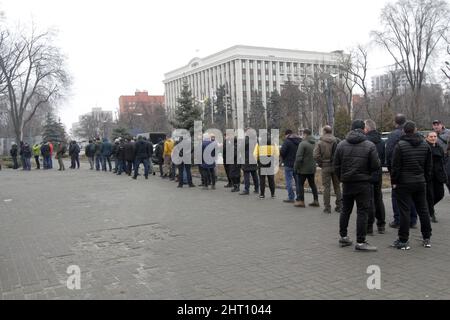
[61, 150]
[36, 154]
[13, 152]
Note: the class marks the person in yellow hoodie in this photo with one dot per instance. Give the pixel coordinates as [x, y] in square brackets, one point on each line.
[267, 156]
[167, 155]
[36, 154]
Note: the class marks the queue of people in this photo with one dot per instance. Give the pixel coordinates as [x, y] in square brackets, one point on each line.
[418, 170]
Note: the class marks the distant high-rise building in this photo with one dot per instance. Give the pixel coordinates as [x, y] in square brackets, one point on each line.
[243, 70]
[390, 80]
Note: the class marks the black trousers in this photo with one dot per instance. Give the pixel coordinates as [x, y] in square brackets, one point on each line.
[301, 187]
[38, 165]
[254, 175]
[208, 176]
[262, 183]
[413, 193]
[227, 172]
[129, 167]
[435, 193]
[16, 164]
[377, 209]
[359, 192]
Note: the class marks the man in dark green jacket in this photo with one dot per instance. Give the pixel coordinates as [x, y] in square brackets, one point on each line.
[305, 168]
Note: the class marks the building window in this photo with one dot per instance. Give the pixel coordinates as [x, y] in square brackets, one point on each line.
[259, 65]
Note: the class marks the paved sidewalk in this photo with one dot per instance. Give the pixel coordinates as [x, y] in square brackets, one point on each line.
[146, 239]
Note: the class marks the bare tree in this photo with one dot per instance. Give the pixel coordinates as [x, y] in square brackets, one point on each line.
[32, 74]
[354, 71]
[413, 29]
[446, 69]
[94, 125]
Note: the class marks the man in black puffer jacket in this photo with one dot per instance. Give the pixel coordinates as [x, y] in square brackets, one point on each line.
[288, 153]
[142, 155]
[355, 160]
[377, 208]
[411, 170]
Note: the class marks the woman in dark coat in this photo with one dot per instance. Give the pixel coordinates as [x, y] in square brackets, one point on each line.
[435, 187]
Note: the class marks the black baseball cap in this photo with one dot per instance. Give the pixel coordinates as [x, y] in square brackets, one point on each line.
[437, 122]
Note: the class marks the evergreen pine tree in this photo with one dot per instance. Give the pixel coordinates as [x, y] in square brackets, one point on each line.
[120, 132]
[274, 111]
[257, 116]
[342, 123]
[220, 110]
[207, 121]
[187, 112]
[53, 131]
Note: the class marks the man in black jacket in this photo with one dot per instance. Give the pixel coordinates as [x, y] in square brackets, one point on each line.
[13, 152]
[141, 154]
[129, 155]
[377, 209]
[355, 160]
[393, 139]
[411, 170]
[250, 166]
[288, 153]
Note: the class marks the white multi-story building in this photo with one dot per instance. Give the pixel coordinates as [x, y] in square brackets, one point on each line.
[386, 81]
[243, 70]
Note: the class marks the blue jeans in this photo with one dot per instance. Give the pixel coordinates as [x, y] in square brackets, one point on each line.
[289, 175]
[27, 163]
[98, 162]
[254, 175]
[396, 209]
[121, 166]
[184, 168]
[136, 166]
[104, 160]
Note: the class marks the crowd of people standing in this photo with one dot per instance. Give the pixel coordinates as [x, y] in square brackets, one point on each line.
[417, 166]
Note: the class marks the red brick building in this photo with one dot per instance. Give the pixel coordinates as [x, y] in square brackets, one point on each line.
[140, 103]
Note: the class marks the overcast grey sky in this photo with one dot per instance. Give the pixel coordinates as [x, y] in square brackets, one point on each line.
[115, 47]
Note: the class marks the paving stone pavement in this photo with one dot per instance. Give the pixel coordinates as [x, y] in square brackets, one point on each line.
[146, 239]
